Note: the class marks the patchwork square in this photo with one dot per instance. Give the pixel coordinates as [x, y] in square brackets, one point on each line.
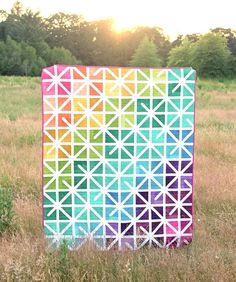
[118, 148]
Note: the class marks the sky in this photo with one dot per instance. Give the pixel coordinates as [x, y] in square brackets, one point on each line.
[174, 16]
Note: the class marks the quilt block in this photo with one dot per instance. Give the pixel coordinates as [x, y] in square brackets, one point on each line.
[118, 156]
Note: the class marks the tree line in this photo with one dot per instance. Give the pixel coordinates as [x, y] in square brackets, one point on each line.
[29, 42]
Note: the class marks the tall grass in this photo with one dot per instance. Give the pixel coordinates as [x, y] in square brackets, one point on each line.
[210, 257]
[6, 211]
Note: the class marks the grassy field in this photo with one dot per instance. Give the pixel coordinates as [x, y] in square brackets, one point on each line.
[211, 256]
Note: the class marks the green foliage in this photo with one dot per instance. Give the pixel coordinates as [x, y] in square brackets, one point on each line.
[104, 43]
[146, 55]
[6, 210]
[10, 53]
[181, 38]
[31, 64]
[181, 55]
[24, 25]
[59, 263]
[95, 43]
[62, 30]
[230, 36]
[60, 55]
[22, 59]
[69, 39]
[231, 66]
[210, 55]
[19, 59]
[23, 46]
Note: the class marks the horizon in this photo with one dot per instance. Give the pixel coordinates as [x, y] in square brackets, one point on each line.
[143, 15]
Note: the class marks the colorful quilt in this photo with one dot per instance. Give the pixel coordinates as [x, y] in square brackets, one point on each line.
[118, 156]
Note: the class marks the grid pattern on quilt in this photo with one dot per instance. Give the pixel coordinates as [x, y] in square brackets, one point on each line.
[118, 156]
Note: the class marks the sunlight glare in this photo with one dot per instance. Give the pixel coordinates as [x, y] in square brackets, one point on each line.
[175, 17]
[121, 26]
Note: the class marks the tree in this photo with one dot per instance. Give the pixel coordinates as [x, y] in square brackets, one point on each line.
[10, 57]
[3, 15]
[62, 29]
[230, 36]
[17, 8]
[95, 43]
[181, 56]
[210, 55]
[104, 43]
[84, 43]
[128, 41]
[31, 64]
[19, 59]
[60, 55]
[194, 37]
[24, 25]
[146, 55]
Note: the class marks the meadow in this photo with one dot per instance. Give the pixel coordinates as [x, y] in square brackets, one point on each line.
[210, 257]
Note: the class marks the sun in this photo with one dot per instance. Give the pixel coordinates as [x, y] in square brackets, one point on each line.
[118, 27]
[121, 25]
